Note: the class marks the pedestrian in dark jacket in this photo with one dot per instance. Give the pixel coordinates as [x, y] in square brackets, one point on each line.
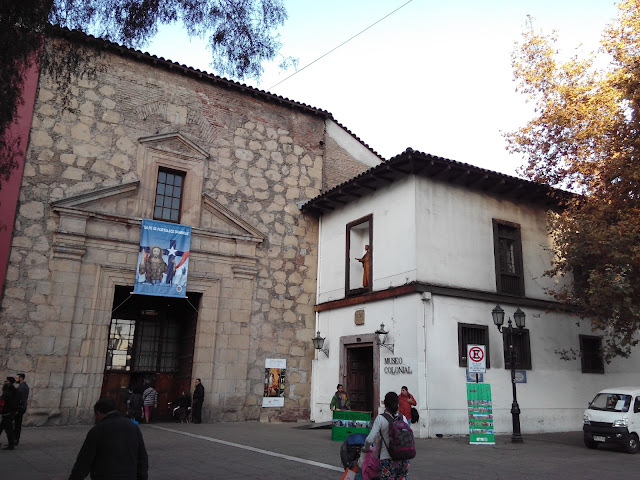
[181, 407]
[198, 399]
[10, 406]
[23, 393]
[114, 448]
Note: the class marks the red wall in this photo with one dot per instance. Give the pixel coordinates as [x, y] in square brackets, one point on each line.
[10, 191]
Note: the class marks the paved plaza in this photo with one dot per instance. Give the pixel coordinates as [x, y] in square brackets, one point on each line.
[234, 451]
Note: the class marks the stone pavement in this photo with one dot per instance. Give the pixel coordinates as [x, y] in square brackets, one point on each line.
[286, 451]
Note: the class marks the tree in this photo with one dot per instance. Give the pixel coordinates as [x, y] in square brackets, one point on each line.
[585, 137]
[241, 36]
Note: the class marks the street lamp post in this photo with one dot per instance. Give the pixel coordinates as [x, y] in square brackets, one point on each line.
[498, 319]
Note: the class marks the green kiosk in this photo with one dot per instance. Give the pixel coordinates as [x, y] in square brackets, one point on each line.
[346, 422]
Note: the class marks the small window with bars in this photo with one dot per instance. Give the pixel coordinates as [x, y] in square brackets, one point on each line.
[168, 195]
[472, 334]
[508, 257]
[591, 354]
[521, 348]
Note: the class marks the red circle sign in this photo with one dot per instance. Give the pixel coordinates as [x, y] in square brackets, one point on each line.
[476, 354]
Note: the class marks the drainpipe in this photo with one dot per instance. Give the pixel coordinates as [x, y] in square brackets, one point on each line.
[426, 297]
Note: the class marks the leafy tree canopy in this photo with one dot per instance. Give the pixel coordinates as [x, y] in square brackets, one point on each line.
[241, 35]
[585, 137]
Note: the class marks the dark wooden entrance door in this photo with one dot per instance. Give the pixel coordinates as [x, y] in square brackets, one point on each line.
[360, 377]
[157, 350]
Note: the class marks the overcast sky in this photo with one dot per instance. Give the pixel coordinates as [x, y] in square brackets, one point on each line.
[435, 76]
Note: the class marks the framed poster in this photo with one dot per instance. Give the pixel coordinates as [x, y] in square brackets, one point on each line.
[275, 370]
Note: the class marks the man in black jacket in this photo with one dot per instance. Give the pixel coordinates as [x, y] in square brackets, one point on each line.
[23, 395]
[114, 448]
[198, 399]
[10, 405]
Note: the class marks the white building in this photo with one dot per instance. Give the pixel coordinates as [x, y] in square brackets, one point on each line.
[448, 242]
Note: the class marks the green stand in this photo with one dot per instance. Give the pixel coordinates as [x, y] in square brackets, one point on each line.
[346, 422]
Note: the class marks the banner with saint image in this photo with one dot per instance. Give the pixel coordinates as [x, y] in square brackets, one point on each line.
[163, 259]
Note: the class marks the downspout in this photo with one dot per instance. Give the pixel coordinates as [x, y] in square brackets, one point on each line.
[426, 297]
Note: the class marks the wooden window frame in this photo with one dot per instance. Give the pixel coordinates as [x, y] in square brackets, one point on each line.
[501, 284]
[585, 363]
[349, 292]
[180, 174]
[522, 345]
[462, 345]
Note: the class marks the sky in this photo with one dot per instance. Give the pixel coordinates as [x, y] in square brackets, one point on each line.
[434, 76]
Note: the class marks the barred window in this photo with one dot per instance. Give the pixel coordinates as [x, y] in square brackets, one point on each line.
[521, 348]
[591, 354]
[471, 334]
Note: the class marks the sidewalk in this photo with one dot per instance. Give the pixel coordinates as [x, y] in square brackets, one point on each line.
[287, 451]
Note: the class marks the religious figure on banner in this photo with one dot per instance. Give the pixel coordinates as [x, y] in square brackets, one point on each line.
[366, 265]
[153, 266]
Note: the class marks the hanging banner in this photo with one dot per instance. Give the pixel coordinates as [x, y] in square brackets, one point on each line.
[163, 261]
[480, 414]
[274, 380]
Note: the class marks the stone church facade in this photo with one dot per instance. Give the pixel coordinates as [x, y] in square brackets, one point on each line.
[247, 160]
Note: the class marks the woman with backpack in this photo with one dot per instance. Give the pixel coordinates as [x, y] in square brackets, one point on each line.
[389, 469]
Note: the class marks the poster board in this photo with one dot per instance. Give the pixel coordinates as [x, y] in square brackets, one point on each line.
[480, 410]
[275, 370]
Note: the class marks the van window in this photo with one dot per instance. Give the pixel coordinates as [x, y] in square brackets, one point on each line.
[636, 405]
[611, 402]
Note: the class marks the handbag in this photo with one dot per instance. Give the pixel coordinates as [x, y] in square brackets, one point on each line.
[350, 473]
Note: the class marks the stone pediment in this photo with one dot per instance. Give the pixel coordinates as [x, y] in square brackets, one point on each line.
[115, 200]
[174, 143]
[219, 219]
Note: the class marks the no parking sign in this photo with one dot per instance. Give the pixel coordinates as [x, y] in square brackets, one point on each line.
[476, 359]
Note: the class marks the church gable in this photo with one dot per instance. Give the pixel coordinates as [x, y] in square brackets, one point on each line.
[121, 200]
[219, 219]
[175, 144]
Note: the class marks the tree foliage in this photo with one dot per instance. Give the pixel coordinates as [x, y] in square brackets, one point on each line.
[241, 35]
[585, 137]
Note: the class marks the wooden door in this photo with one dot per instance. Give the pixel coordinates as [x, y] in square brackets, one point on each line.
[115, 385]
[359, 385]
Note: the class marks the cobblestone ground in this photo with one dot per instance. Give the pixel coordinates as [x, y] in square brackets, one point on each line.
[285, 451]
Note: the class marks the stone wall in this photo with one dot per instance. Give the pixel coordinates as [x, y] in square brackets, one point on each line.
[261, 158]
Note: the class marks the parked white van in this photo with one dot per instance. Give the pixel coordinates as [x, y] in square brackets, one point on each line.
[613, 416]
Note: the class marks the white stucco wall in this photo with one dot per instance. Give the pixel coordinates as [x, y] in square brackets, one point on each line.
[394, 240]
[442, 234]
[455, 235]
[425, 336]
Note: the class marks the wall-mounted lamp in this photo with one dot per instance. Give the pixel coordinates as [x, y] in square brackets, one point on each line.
[318, 343]
[381, 333]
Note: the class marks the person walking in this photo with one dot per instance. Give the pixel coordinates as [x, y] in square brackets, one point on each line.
[113, 448]
[340, 400]
[10, 405]
[149, 400]
[23, 396]
[389, 469]
[406, 402]
[198, 400]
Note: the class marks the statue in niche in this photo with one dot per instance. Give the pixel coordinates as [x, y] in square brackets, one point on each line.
[365, 260]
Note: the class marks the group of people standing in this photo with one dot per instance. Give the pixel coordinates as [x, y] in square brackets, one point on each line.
[13, 405]
[143, 400]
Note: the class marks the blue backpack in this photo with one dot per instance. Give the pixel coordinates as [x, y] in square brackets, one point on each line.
[402, 445]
